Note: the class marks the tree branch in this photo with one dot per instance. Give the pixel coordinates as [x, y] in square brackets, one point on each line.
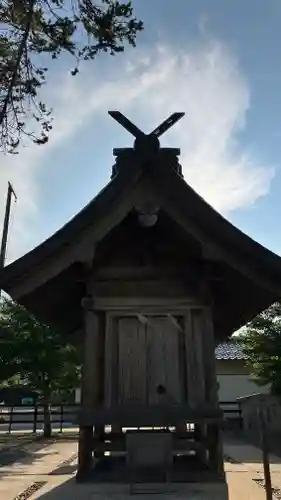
[7, 99]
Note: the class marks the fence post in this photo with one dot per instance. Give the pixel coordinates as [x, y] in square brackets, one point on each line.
[61, 417]
[265, 457]
[35, 419]
[240, 416]
[11, 420]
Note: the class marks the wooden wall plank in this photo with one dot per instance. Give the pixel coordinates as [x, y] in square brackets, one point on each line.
[155, 361]
[171, 341]
[108, 361]
[131, 361]
[182, 359]
[189, 359]
[163, 359]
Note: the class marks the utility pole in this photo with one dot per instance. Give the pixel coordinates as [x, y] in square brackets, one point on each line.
[265, 456]
[3, 250]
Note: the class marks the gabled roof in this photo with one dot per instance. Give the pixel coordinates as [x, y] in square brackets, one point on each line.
[243, 252]
[234, 246]
[101, 204]
[254, 271]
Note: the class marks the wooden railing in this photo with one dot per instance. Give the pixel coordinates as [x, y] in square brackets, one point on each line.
[31, 418]
[232, 411]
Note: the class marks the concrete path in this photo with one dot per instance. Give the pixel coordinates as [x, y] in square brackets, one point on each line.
[39, 462]
[242, 487]
[52, 468]
[245, 472]
[12, 442]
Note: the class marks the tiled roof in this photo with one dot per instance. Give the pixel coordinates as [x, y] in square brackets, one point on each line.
[229, 350]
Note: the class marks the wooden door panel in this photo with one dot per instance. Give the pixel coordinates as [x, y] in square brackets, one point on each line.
[156, 363]
[131, 361]
[163, 359]
[147, 355]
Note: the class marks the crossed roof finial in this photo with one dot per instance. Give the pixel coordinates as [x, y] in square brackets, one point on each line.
[146, 141]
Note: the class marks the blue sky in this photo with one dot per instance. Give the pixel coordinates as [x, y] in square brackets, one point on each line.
[218, 61]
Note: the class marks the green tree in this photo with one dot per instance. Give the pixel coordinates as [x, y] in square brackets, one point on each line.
[261, 342]
[39, 355]
[34, 29]
[12, 381]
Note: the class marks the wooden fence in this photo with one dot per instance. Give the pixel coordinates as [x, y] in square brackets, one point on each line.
[31, 417]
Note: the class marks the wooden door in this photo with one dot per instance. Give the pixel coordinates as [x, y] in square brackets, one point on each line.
[163, 359]
[149, 356]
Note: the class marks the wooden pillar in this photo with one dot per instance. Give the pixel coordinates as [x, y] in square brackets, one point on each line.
[194, 358]
[196, 389]
[90, 389]
[214, 430]
[210, 360]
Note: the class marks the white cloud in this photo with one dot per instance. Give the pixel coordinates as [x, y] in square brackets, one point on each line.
[202, 79]
[205, 82]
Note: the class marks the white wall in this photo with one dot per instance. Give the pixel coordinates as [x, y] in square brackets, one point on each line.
[78, 395]
[232, 387]
[234, 381]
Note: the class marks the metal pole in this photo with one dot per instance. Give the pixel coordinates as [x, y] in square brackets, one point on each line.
[3, 250]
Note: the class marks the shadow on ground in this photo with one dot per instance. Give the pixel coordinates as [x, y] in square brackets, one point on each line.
[9, 457]
[238, 448]
[71, 490]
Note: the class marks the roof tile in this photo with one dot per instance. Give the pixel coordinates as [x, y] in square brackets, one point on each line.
[229, 351]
